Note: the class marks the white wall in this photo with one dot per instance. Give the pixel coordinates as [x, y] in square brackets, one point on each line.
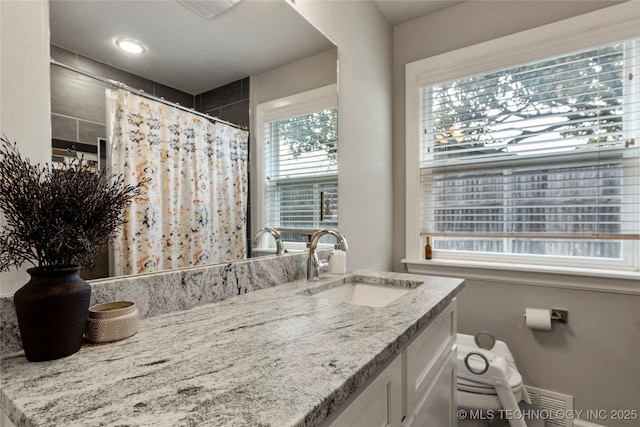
[24, 90]
[24, 96]
[593, 356]
[364, 40]
[300, 76]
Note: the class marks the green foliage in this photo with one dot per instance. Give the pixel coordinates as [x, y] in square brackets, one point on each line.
[581, 94]
[317, 131]
[57, 216]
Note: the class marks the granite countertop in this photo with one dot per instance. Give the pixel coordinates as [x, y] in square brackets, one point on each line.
[272, 357]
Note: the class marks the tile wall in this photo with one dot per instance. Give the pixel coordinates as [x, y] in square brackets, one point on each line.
[229, 102]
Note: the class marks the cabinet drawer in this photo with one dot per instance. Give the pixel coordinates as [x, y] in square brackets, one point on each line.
[426, 354]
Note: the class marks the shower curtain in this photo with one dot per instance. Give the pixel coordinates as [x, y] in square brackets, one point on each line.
[193, 211]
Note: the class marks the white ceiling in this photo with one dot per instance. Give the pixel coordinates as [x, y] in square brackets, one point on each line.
[401, 11]
[194, 54]
[185, 51]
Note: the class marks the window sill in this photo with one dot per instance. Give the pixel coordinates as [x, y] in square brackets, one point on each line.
[623, 282]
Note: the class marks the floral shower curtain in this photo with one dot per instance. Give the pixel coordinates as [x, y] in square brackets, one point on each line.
[194, 209]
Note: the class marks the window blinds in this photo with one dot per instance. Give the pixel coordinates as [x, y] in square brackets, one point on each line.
[546, 152]
[302, 171]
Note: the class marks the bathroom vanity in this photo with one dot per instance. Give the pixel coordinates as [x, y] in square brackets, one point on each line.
[416, 389]
[281, 356]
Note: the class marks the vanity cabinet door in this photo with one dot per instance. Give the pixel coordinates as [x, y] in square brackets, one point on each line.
[379, 405]
[426, 355]
[438, 409]
[417, 389]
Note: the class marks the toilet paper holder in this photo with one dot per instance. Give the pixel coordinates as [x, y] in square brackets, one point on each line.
[561, 316]
[557, 315]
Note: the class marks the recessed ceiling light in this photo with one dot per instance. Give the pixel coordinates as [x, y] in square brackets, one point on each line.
[130, 46]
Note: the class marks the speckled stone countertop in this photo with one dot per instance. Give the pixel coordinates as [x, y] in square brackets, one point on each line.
[273, 357]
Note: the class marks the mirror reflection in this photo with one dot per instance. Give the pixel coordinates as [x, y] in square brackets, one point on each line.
[224, 63]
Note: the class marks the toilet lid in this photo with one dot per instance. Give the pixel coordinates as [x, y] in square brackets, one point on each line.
[468, 385]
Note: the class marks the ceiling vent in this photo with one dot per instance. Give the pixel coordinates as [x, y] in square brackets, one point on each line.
[207, 9]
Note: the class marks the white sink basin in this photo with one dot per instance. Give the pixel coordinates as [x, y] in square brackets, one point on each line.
[361, 293]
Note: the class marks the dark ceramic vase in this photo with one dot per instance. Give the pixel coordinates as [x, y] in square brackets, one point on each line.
[52, 312]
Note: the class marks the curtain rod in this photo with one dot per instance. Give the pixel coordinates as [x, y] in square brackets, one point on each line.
[141, 92]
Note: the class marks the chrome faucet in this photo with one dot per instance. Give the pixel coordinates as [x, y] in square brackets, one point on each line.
[276, 236]
[313, 263]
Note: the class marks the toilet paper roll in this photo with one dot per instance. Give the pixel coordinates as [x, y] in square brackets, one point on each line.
[538, 319]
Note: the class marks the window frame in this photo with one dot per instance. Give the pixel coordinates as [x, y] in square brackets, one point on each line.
[609, 25]
[294, 105]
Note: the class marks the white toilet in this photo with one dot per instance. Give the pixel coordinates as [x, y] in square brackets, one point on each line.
[489, 384]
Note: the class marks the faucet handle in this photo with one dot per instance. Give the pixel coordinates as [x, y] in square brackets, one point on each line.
[323, 264]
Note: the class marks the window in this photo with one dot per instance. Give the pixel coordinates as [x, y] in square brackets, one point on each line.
[300, 147]
[534, 162]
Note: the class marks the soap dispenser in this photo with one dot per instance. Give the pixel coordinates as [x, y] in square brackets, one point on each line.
[338, 261]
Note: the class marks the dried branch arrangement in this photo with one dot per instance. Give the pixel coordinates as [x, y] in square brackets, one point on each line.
[57, 216]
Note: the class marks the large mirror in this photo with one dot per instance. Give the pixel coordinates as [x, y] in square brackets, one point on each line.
[204, 55]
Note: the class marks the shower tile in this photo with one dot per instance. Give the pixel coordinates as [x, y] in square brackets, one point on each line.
[64, 128]
[174, 95]
[245, 88]
[214, 112]
[63, 55]
[90, 132]
[222, 95]
[75, 97]
[237, 113]
[112, 73]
